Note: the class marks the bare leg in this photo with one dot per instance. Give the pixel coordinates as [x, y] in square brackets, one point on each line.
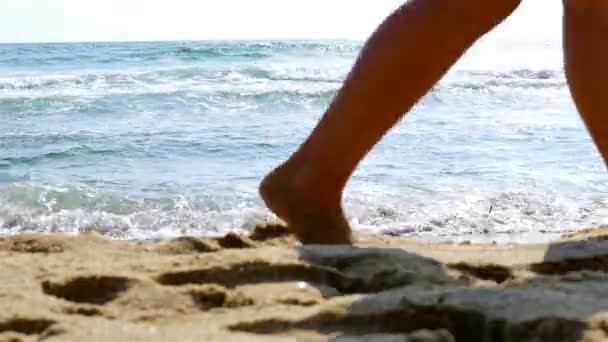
[586, 54]
[403, 59]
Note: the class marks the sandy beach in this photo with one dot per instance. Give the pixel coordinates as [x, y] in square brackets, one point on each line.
[266, 287]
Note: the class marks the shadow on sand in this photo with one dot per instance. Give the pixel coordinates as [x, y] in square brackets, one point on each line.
[392, 294]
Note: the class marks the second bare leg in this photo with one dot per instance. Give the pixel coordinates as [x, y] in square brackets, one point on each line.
[586, 52]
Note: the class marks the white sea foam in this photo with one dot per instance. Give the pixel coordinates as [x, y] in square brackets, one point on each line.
[523, 214]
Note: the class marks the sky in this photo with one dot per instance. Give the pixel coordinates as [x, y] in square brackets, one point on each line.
[137, 20]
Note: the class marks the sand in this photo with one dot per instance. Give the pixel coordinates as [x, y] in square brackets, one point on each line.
[266, 287]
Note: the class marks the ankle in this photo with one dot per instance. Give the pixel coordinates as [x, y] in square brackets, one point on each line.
[305, 183]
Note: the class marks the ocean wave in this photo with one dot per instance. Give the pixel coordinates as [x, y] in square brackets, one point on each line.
[135, 53]
[25, 208]
[112, 148]
[347, 47]
[67, 82]
[204, 95]
[58, 155]
[45, 82]
[541, 74]
[500, 216]
[200, 74]
[515, 79]
[246, 50]
[524, 215]
[211, 52]
[116, 83]
[238, 79]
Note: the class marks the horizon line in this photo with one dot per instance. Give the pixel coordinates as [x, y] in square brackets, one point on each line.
[181, 40]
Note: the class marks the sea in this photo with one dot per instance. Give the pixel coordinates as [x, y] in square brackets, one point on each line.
[149, 140]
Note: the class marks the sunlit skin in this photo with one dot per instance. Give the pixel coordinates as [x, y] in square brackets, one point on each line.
[406, 56]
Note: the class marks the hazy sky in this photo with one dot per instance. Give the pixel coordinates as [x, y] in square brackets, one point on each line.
[93, 20]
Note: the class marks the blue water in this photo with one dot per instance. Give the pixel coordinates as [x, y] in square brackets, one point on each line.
[148, 140]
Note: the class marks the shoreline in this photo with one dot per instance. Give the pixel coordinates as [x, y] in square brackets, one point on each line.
[267, 287]
[472, 239]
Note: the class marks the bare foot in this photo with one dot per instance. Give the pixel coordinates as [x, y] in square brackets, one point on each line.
[307, 218]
